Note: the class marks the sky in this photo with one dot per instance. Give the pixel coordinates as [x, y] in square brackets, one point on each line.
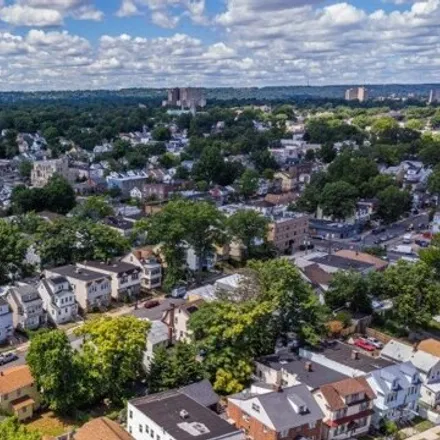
[113, 44]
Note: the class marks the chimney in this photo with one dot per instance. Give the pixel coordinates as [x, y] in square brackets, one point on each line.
[308, 366]
[355, 355]
[1, 373]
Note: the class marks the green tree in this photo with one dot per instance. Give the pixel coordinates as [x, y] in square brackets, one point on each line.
[13, 249]
[59, 195]
[349, 289]
[94, 208]
[338, 200]
[434, 181]
[25, 169]
[393, 203]
[161, 134]
[248, 227]
[113, 349]
[174, 368]
[327, 152]
[384, 125]
[11, 429]
[415, 124]
[311, 196]
[210, 165]
[248, 183]
[51, 361]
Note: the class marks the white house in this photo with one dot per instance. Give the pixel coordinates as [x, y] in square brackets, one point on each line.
[427, 365]
[158, 336]
[151, 269]
[173, 415]
[397, 388]
[194, 263]
[27, 306]
[6, 322]
[58, 299]
[125, 277]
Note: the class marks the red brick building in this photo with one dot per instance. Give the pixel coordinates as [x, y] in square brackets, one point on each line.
[284, 414]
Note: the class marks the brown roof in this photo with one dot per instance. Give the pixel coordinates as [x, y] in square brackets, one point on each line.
[102, 429]
[363, 258]
[335, 392]
[22, 402]
[192, 306]
[317, 275]
[281, 199]
[14, 378]
[431, 346]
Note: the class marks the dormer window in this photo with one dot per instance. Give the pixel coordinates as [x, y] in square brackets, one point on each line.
[415, 378]
[256, 407]
[395, 384]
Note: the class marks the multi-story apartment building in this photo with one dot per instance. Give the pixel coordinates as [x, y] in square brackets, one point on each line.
[6, 321]
[92, 289]
[397, 388]
[18, 392]
[185, 97]
[126, 182]
[151, 269]
[27, 307]
[285, 414]
[288, 232]
[125, 277]
[44, 170]
[347, 406]
[356, 93]
[58, 299]
[177, 415]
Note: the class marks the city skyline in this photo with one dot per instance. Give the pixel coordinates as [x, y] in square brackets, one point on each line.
[112, 44]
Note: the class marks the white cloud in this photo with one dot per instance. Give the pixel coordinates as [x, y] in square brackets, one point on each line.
[164, 20]
[128, 9]
[48, 12]
[18, 15]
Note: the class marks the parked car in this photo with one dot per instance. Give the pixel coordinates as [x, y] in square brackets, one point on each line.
[356, 239]
[318, 237]
[375, 342]
[7, 357]
[364, 344]
[379, 230]
[151, 304]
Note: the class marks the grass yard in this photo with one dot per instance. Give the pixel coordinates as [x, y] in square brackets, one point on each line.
[423, 425]
[51, 425]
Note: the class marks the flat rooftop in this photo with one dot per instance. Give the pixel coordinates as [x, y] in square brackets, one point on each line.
[342, 263]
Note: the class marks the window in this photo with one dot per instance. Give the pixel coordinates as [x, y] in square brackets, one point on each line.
[157, 437]
[364, 405]
[18, 393]
[147, 429]
[152, 434]
[130, 414]
[6, 397]
[256, 407]
[312, 425]
[141, 428]
[129, 429]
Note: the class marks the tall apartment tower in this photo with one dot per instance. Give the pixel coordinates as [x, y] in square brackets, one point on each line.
[356, 93]
[187, 97]
[434, 96]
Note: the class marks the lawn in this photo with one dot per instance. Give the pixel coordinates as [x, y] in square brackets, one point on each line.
[51, 425]
[423, 425]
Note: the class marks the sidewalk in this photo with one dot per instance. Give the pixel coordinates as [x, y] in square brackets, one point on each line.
[430, 434]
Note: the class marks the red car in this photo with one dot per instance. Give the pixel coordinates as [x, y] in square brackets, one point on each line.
[152, 303]
[364, 344]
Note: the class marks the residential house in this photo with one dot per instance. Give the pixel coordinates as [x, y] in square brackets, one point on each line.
[288, 231]
[344, 358]
[151, 269]
[27, 306]
[427, 365]
[157, 191]
[318, 278]
[6, 321]
[288, 182]
[123, 226]
[329, 229]
[379, 264]
[179, 415]
[195, 263]
[125, 277]
[158, 336]
[287, 413]
[101, 428]
[18, 392]
[125, 182]
[92, 289]
[177, 318]
[286, 368]
[44, 170]
[397, 388]
[136, 193]
[347, 406]
[58, 299]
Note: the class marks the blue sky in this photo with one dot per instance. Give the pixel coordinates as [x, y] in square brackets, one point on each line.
[59, 44]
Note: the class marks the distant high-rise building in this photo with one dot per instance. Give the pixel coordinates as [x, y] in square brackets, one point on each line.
[356, 93]
[434, 96]
[187, 97]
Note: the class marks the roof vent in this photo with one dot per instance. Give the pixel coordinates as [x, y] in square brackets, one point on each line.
[309, 366]
[184, 414]
[355, 355]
